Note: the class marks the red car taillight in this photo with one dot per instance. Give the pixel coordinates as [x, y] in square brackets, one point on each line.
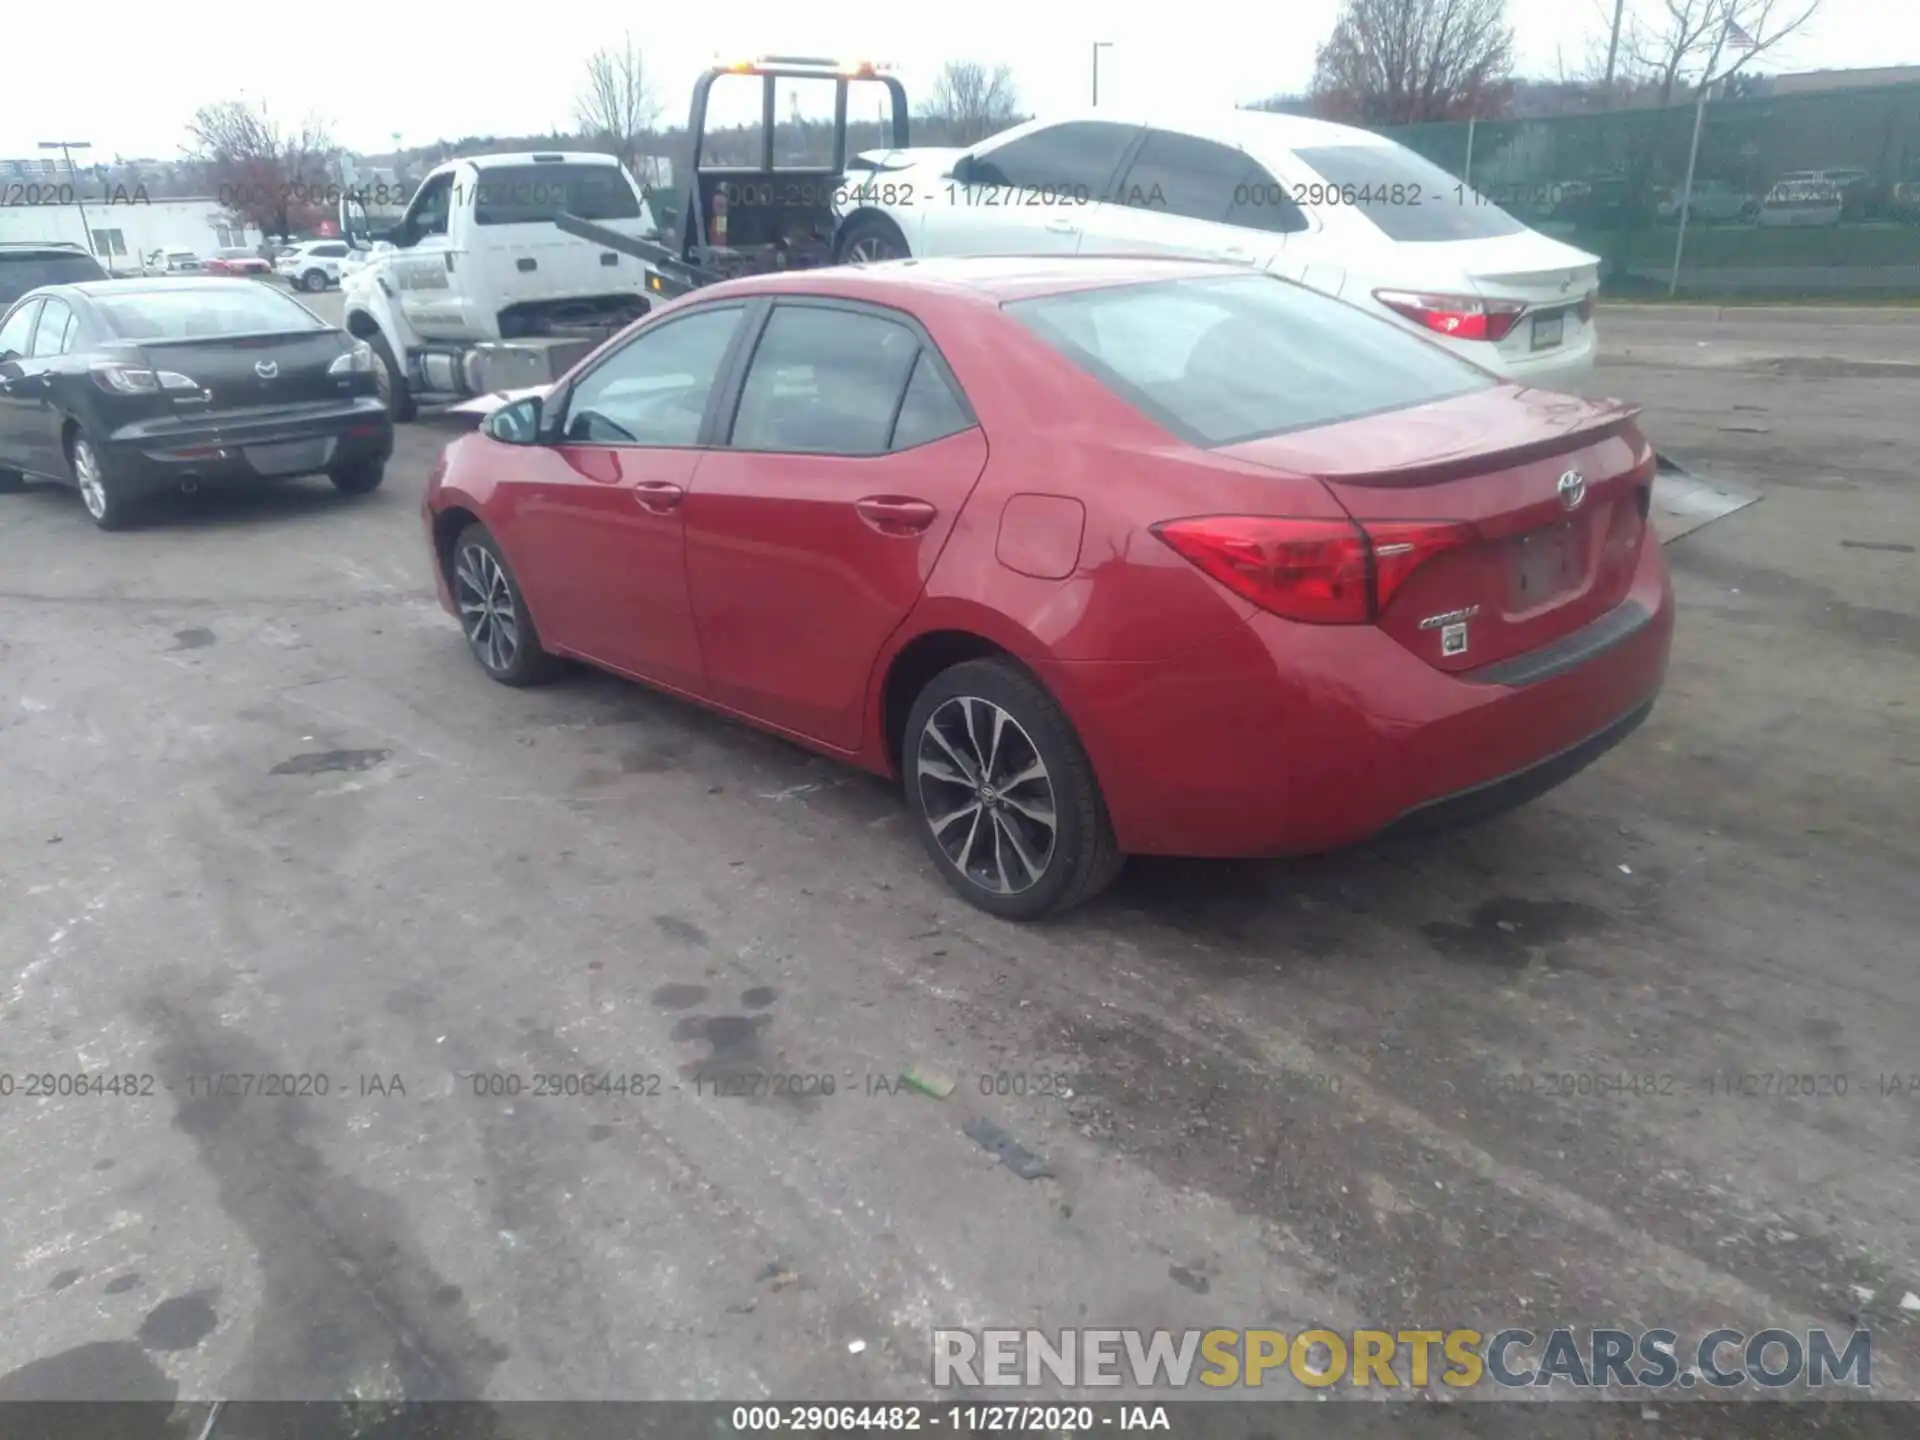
[1460, 317]
[1325, 572]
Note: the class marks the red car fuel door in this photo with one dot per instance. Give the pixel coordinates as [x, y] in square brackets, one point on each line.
[812, 533]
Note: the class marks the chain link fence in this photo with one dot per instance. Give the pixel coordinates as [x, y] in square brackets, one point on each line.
[1793, 196]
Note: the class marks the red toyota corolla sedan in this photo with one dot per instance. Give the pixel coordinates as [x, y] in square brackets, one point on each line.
[1099, 556]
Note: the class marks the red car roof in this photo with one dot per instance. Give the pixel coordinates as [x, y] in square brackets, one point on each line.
[993, 279]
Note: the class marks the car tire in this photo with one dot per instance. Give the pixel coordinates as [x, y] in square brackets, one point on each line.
[108, 498]
[11, 481]
[361, 479]
[390, 380]
[314, 281]
[870, 239]
[479, 576]
[956, 776]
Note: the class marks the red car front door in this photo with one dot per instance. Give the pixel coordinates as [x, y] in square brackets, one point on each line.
[811, 533]
[594, 524]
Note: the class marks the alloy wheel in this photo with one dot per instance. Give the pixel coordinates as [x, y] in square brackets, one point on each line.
[86, 470]
[986, 795]
[487, 611]
[872, 249]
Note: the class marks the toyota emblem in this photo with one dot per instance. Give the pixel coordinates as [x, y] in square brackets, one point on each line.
[266, 369]
[1573, 489]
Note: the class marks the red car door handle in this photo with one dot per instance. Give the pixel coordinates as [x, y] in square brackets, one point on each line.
[895, 514]
[658, 496]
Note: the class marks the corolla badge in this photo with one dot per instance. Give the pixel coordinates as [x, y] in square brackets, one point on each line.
[1453, 629]
[1573, 489]
[265, 369]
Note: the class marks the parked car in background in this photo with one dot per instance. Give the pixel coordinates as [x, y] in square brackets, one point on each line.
[313, 264]
[238, 261]
[1095, 556]
[126, 389]
[1343, 210]
[1903, 198]
[1714, 202]
[357, 259]
[1862, 196]
[28, 264]
[174, 262]
[1610, 202]
[1801, 202]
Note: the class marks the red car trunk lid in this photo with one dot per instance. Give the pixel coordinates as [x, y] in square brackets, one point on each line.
[1540, 501]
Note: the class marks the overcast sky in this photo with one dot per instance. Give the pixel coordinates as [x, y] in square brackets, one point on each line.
[435, 71]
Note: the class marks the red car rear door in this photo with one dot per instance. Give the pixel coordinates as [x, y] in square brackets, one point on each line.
[594, 523]
[811, 532]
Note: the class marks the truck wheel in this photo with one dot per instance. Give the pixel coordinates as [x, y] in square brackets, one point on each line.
[391, 381]
[870, 239]
[314, 281]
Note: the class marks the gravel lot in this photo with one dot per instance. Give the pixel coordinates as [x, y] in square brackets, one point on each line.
[265, 816]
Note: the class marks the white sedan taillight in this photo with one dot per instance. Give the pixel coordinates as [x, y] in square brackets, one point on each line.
[1459, 317]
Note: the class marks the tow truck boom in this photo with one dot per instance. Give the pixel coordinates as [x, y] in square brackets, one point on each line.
[740, 219]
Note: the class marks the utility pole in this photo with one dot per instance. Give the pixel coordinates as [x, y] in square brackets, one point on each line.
[1098, 46]
[1613, 48]
[66, 149]
[1707, 82]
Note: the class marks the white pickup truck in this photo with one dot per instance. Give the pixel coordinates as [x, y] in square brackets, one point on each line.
[477, 291]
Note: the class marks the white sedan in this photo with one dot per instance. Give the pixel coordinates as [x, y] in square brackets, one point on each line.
[1343, 210]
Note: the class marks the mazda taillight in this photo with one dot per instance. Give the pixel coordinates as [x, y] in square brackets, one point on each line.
[1461, 317]
[1324, 572]
[139, 380]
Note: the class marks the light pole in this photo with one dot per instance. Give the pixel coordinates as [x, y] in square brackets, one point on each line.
[1098, 46]
[66, 149]
[1613, 48]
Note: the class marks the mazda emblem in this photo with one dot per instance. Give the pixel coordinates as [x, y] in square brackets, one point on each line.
[265, 369]
[1573, 489]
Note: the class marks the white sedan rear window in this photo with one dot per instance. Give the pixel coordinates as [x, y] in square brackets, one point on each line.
[1406, 196]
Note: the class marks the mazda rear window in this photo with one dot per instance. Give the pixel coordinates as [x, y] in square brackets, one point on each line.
[29, 270]
[203, 312]
[526, 194]
[1222, 360]
[1406, 196]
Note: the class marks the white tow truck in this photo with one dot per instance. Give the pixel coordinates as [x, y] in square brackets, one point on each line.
[476, 291]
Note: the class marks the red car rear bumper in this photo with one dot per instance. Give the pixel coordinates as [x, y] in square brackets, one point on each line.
[1280, 738]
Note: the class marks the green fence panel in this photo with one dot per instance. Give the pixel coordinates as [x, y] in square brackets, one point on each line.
[1794, 196]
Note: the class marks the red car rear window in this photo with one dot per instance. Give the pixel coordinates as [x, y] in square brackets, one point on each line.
[1222, 360]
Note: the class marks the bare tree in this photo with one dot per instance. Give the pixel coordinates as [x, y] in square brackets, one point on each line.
[1684, 46]
[1401, 62]
[278, 181]
[618, 106]
[970, 102]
